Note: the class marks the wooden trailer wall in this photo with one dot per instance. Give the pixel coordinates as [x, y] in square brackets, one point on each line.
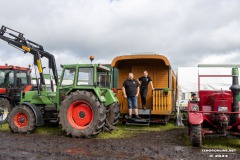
[159, 70]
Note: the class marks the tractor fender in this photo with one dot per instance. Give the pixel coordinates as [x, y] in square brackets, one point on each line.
[37, 112]
[195, 118]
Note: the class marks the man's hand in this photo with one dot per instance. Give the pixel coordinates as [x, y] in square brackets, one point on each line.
[152, 88]
[136, 95]
[125, 96]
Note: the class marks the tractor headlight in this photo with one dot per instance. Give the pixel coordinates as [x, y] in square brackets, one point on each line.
[195, 108]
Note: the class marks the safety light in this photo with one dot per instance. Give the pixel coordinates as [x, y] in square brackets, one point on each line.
[91, 58]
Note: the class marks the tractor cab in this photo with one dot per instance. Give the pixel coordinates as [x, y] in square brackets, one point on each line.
[13, 79]
[91, 76]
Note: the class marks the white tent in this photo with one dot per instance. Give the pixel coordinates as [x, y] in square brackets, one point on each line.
[188, 79]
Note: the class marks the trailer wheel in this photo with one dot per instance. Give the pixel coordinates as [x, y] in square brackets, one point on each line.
[5, 108]
[22, 120]
[196, 135]
[112, 118]
[82, 115]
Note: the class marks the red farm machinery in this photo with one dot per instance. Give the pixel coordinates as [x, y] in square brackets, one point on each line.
[215, 112]
[13, 80]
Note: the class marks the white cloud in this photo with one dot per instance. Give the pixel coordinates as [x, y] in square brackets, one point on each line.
[227, 58]
[185, 31]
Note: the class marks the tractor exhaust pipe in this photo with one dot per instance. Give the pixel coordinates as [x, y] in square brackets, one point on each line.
[235, 88]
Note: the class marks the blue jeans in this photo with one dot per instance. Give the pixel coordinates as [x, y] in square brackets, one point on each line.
[132, 101]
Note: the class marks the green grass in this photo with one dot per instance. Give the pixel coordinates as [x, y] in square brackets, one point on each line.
[45, 130]
[121, 132]
[216, 142]
[221, 142]
[130, 131]
[4, 127]
[49, 131]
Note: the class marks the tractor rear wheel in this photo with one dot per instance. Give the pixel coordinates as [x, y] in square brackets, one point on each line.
[196, 135]
[22, 120]
[82, 115]
[113, 113]
[5, 108]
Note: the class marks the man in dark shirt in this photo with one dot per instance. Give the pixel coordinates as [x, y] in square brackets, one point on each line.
[144, 80]
[130, 91]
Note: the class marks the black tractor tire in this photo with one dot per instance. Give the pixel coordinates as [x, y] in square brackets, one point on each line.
[5, 108]
[196, 135]
[112, 116]
[76, 109]
[22, 120]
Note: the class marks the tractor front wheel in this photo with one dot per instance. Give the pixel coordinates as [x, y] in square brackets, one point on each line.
[195, 135]
[82, 115]
[113, 113]
[22, 120]
[5, 108]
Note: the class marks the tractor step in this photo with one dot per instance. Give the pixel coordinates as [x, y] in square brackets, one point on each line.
[145, 112]
[144, 121]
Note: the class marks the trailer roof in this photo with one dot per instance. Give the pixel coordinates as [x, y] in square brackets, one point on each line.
[116, 61]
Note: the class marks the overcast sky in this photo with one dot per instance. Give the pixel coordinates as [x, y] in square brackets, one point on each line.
[187, 32]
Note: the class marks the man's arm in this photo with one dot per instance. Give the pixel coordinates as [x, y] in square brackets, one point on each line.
[139, 80]
[124, 92]
[151, 85]
[137, 91]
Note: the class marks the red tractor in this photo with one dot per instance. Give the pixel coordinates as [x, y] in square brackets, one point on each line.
[215, 112]
[13, 80]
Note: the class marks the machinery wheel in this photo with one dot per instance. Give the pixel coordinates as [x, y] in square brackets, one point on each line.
[82, 115]
[22, 120]
[112, 118]
[5, 108]
[196, 135]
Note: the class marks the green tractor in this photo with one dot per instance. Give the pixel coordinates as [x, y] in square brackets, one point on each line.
[83, 102]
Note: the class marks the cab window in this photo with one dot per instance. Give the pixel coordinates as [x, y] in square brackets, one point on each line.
[68, 77]
[85, 76]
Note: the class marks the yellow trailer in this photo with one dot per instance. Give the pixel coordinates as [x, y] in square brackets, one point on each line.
[163, 78]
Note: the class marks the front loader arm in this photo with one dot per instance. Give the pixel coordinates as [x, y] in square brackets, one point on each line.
[35, 49]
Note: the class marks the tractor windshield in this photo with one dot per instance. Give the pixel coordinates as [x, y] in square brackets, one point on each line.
[21, 79]
[6, 78]
[103, 78]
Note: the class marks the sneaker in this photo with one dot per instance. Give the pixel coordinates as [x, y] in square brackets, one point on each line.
[138, 117]
[129, 116]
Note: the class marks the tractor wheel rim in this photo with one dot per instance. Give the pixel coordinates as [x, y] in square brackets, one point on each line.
[4, 113]
[80, 114]
[20, 120]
